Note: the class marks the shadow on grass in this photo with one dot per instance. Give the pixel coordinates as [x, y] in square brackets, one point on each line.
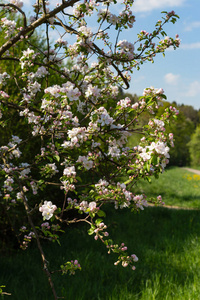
[167, 242]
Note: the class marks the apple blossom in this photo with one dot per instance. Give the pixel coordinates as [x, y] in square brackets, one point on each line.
[47, 210]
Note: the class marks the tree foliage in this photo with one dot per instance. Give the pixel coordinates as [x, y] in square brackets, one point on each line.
[190, 113]
[182, 130]
[68, 157]
[194, 147]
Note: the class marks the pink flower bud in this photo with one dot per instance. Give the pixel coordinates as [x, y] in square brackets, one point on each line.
[124, 248]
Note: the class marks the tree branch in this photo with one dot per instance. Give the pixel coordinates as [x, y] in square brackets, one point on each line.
[38, 243]
[17, 8]
[34, 25]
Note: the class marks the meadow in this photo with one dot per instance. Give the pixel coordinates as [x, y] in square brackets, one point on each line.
[177, 186]
[166, 240]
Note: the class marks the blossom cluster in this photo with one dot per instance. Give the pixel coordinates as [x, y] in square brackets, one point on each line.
[70, 267]
[47, 210]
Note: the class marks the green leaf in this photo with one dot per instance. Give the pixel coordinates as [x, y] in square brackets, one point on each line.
[90, 231]
[57, 157]
[92, 215]
[40, 181]
[58, 242]
[50, 158]
[131, 172]
[148, 179]
[163, 96]
[79, 178]
[128, 181]
[101, 213]
[98, 221]
[154, 160]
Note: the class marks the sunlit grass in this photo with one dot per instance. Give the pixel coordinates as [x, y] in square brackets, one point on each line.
[177, 187]
[195, 167]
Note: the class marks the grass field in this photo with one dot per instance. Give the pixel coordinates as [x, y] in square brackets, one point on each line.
[196, 167]
[177, 186]
[167, 242]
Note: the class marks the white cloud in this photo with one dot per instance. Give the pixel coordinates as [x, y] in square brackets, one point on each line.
[194, 89]
[190, 46]
[171, 78]
[192, 26]
[149, 5]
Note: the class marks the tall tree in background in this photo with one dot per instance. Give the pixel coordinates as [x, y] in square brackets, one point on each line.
[182, 129]
[194, 147]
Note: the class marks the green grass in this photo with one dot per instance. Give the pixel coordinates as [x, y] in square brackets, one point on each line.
[195, 167]
[167, 242]
[177, 187]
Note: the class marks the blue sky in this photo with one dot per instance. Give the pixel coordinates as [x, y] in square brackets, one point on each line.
[179, 72]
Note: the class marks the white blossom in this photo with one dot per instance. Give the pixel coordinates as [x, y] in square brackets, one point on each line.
[47, 210]
[69, 171]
